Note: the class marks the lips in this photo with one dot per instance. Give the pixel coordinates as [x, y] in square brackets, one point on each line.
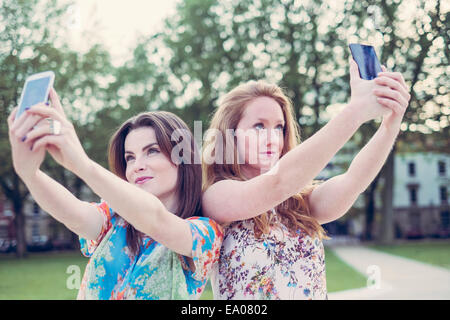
[142, 180]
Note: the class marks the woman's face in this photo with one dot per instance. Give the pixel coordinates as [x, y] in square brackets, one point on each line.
[259, 133]
[148, 168]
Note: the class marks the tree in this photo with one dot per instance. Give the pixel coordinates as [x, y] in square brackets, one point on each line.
[31, 38]
[415, 47]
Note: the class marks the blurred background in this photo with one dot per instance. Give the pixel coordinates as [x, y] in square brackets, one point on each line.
[114, 59]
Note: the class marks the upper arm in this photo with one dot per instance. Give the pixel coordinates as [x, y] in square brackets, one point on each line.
[332, 199]
[232, 200]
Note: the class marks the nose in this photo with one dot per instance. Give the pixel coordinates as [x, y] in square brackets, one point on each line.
[139, 164]
[271, 137]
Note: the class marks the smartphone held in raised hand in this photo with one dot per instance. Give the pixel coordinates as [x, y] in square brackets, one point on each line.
[365, 57]
[35, 90]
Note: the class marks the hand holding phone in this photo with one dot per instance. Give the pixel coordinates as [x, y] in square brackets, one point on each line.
[35, 90]
[365, 57]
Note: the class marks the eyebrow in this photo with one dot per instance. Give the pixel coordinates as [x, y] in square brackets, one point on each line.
[144, 148]
[263, 119]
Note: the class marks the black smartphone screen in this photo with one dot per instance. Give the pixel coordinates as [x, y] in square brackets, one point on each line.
[367, 60]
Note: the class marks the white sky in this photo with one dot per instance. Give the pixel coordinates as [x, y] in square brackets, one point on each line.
[118, 23]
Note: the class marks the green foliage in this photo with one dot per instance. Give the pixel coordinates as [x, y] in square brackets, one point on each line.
[32, 40]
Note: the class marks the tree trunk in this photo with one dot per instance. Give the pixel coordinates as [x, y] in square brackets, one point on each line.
[19, 224]
[387, 229]
[370, 210]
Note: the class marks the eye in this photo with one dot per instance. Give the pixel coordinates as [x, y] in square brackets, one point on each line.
[152, 151]
[128, 158]
[280, 127]
[259, 126]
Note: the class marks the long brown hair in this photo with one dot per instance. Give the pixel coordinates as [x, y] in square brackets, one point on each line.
[294, 212]
[169, 130]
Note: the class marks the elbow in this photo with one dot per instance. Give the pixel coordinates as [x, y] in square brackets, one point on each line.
[333, 212]
[277, 186]
[282, 185]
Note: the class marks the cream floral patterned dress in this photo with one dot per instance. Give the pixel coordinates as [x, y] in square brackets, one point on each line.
[279, 265]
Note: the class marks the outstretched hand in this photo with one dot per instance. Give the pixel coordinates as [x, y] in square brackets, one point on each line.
[64, 145]
[385, 96]
[26, 163]
[393, 94]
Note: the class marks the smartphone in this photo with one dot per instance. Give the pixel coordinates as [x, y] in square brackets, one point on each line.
[35, 90]
[368, 64]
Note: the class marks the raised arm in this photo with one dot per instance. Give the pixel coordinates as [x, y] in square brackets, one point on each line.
[230, 200]
[79, 216]
[333, 198]
[138, 207]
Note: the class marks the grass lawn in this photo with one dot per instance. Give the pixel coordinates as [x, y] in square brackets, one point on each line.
[44, 276]
[436, 253]
[40, 276]
[340, 276]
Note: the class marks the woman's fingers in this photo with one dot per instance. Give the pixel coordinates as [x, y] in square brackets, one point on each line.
[397, 76]
[24, 124]
[354, 70]
[391, 104]
[46, 112]
[385, 92]
[40, 129]
[44, 141]
[12, 116]
[392, 93]
[56, 103]
[394, 85]
[17, 123]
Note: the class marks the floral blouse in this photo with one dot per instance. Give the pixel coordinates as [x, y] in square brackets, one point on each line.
[156, 272]
[279, 265]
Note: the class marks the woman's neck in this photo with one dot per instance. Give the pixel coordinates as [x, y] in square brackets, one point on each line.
[170, 202]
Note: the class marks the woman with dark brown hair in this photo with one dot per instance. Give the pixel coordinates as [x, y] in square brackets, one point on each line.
[147, 238]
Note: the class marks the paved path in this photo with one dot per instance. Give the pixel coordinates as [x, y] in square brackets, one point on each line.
[401, 278]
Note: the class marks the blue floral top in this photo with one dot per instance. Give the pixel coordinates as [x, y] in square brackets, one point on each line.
[156, 272]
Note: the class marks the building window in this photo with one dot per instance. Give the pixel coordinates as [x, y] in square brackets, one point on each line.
[8, 213]
[35, 230]
[35, 209]
[413, 195]
[412, 169]
[441, 168]
[443, 194]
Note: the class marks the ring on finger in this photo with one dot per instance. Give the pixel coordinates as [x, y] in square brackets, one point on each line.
[55, 126]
